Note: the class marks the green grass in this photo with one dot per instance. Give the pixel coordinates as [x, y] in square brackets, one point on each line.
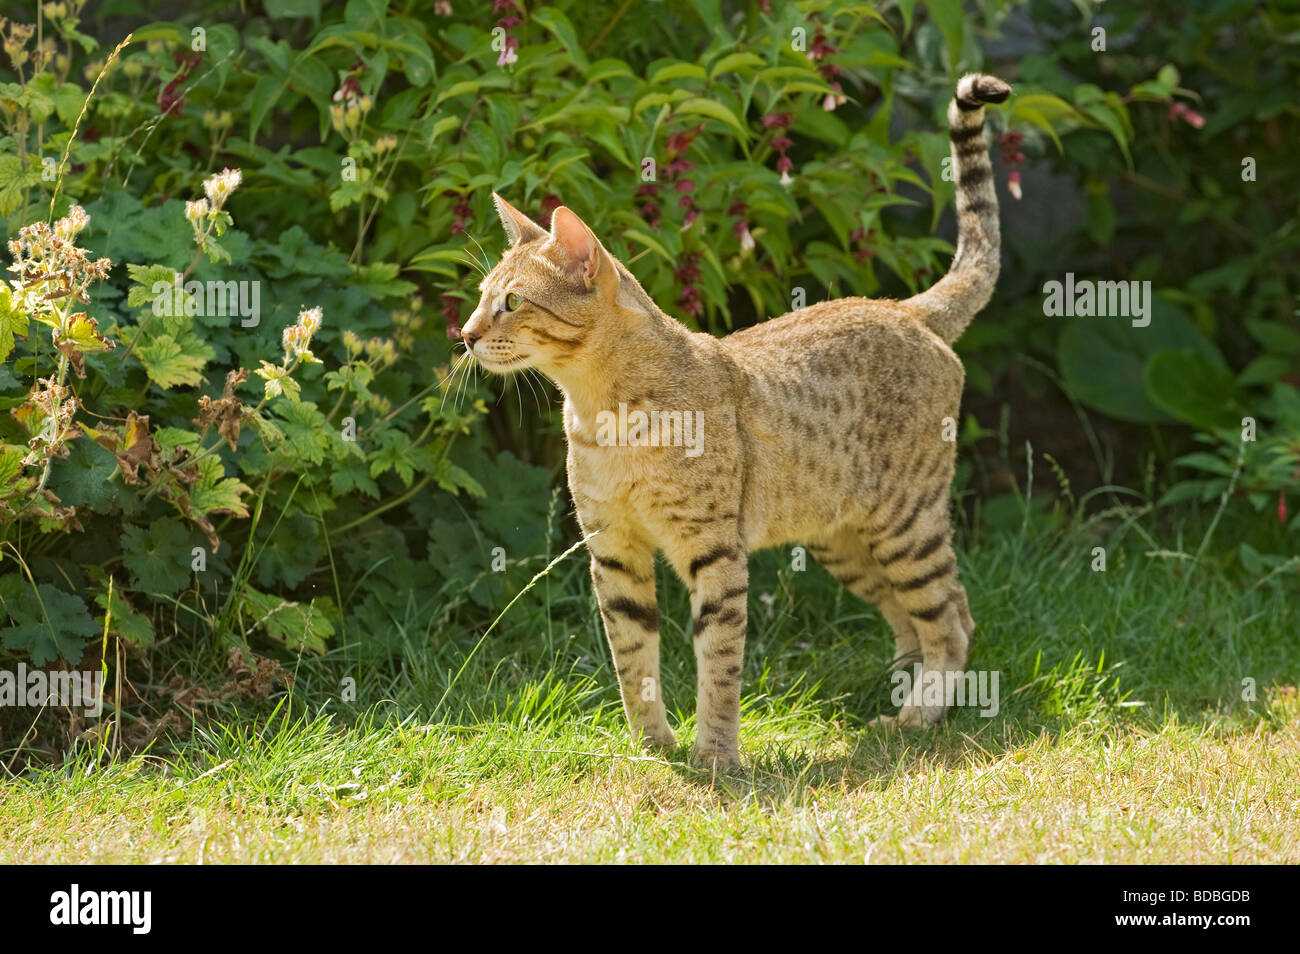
[1122, 735]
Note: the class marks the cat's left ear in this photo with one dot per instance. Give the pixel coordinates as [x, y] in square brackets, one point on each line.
[586, 257]
[518, 226]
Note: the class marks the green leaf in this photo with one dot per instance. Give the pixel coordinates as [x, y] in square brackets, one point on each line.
[47, 624]
[649, 241]
[1193, 389]
[158, 556]
[1273, 335]
[677, 71]
[1103, 360]
[559, 24]
[214, 492]
[123, 620]
[1208, 462]
[948, 17]
[143, 279]
[298, 627]
[736, 63]
[85, 478]
[170, 362]
[714, 110]
[13, 323]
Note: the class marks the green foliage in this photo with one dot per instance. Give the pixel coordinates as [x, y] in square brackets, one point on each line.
[341, 478]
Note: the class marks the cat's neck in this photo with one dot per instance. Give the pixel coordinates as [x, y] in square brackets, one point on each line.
[627, 369]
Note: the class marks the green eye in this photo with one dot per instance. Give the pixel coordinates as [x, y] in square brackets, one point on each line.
[513, 301]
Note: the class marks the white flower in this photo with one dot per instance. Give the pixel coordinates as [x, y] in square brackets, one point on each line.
[196, 211]
[72, 223]
[786, 180]
[309, 320]
[221, 185]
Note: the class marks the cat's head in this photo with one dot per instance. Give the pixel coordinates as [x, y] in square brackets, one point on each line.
[551, 302]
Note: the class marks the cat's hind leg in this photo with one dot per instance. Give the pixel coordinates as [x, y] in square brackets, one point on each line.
[912, 546]
[847, 556]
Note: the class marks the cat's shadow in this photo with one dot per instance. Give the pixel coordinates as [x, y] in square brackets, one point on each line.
[772, 775]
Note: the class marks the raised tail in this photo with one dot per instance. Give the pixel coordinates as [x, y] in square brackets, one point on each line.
[952, 302]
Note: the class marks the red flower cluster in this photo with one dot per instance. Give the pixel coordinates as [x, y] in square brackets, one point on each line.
[451, 315]
[862, 239]
[740, 228]
[650, 208]
[509, 8]
[1010, 141]
[550, 202]
[1188, 115]
[678, 165]
[686, 275]
[821, 49]
[781, 142]
[463, 212]
[170, 99]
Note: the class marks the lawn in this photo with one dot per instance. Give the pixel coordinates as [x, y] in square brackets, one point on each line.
[1122, 735]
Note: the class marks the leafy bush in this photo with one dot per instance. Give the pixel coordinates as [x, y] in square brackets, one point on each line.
[235, 479]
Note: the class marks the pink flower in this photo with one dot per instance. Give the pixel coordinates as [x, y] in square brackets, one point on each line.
[741, 229]
[681, 141]
[1187, 114]
[821, 47]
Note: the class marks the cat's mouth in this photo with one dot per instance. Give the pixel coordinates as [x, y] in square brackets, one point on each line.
[500, 365]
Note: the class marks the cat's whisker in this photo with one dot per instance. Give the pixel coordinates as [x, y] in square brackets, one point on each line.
[528, 380]
[541, 383]
[487, 261]
[456, 380]
[474, 264]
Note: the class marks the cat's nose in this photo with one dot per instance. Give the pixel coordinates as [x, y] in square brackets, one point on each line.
[470, 337]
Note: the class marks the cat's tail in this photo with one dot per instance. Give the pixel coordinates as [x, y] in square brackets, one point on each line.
[951, 303]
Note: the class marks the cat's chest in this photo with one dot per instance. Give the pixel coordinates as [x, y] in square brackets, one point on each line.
[607, 470]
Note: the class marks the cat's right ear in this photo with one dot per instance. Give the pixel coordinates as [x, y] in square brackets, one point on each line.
[518, 226]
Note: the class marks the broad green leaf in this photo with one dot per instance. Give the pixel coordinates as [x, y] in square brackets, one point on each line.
[48, 624]
[677, 71]
[714, 110]
[736, 63]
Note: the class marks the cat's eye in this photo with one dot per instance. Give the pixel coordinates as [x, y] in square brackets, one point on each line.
[513, 301]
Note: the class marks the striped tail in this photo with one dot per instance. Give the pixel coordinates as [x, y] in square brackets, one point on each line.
[952, 302]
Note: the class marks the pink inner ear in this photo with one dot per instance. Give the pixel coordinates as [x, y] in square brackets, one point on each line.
[574, 237]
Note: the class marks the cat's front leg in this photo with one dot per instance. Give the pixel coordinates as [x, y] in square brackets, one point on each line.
[625, 590]
[719, 580]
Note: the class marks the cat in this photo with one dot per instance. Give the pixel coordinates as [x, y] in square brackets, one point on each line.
[822, 427]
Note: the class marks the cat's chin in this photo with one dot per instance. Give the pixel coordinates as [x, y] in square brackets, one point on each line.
[502, 366]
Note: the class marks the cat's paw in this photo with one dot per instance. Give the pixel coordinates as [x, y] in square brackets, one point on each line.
[920, 717]
[715, 758]
[912, 718]
[653, 740]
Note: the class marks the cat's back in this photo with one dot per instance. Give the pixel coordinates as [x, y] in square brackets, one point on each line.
[858, 337]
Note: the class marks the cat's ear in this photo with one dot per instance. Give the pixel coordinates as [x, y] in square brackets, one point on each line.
[587, 259]
[518, 226]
